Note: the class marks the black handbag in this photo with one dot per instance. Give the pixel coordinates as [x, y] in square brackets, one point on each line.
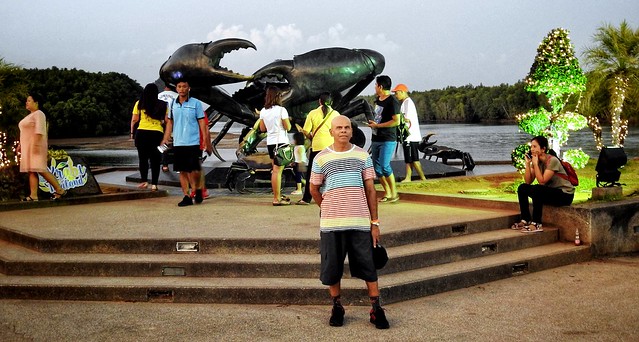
[380, 257]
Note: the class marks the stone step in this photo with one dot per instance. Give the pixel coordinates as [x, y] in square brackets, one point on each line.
[250, 245]
[394, 287]
[17, 260]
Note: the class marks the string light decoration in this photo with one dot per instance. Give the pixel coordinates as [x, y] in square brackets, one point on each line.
[595, 126]
[619, 126]
[556, 74]
[8, 155]
[556, 71]
[4, 157]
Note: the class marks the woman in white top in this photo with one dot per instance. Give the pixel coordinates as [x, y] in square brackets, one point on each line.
[274, 120]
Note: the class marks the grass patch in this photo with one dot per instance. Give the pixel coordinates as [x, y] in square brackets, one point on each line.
[503, 186]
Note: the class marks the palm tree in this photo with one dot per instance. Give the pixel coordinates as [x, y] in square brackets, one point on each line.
[614, 60]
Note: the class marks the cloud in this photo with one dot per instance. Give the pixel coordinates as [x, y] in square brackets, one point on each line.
[289, 40]
[332, 37]
[270, 38]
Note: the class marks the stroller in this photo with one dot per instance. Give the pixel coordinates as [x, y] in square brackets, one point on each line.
[251, 166]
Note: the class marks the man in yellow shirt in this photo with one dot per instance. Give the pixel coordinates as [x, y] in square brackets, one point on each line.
[317, 128]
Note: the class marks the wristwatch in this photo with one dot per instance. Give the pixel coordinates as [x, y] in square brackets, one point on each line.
[375, 222]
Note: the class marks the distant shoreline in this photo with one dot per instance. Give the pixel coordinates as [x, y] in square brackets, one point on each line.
[122, 142]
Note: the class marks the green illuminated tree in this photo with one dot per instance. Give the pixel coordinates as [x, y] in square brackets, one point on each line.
[556, 74]
[615, 69]
[556, 71]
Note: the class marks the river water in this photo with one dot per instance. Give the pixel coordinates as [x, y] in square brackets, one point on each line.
[483, 142]
[496, 142]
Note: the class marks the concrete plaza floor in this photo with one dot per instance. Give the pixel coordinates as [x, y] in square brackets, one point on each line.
[590, 301]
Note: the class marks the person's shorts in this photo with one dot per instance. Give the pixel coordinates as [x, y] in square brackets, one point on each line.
[334, 246]
[411, 151]
[187, 158]
[271, 151]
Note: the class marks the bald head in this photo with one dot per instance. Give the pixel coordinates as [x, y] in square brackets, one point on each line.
[341, 131]
[341, 120]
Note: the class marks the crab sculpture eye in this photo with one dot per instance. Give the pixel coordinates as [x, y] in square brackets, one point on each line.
[176, 75]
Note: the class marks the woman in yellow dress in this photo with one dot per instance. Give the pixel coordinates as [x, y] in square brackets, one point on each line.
[33, 149]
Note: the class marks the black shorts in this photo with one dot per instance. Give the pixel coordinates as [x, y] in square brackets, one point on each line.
[334, 246]
[271, 151]
[411, 151]
[187, 158]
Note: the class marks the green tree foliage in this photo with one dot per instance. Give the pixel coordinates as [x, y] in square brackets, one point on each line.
[82, 104]
[472, 104]
[12, 101]
[556, 74]
[614, 60]
[12, 88]
[556, 71]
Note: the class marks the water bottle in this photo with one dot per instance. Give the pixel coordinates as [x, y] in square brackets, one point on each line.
[577, 239]
[162, 148]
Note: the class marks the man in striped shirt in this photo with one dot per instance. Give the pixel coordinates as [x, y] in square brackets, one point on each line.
[348, 217]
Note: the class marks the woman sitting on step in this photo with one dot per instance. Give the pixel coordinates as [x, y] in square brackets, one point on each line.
[551, 189]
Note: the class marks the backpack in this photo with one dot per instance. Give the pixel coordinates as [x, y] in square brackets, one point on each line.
[571, 174]
[402, 129]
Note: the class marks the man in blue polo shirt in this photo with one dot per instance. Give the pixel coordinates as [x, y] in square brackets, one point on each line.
[186, 123]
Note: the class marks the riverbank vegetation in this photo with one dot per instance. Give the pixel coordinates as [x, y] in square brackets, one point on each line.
[77, 103]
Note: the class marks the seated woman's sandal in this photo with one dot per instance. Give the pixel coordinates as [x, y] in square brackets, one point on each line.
[532, 228]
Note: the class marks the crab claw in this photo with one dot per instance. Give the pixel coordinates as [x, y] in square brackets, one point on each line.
[376, 61]
[199, 63]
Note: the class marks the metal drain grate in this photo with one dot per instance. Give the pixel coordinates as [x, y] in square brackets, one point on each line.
[160, 295]
[489, 248]
[187, 246]
[521, 268]
[458, 229]
[173, 271]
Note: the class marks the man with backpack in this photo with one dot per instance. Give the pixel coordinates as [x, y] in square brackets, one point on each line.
[554, 185]
[411, 143]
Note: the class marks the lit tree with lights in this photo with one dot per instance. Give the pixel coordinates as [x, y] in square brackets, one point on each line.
[12, 90]
[556, 74]
[615, 62]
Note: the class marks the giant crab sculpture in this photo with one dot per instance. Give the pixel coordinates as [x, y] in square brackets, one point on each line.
[345, 73]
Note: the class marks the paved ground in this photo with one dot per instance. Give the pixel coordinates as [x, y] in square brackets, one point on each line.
[592, 301]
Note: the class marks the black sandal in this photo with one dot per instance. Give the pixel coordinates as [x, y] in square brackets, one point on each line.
[281, 203]
[57, 196]
[29, 199]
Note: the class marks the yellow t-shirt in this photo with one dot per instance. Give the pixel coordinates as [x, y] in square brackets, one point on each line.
[322, 138]
[147, 123]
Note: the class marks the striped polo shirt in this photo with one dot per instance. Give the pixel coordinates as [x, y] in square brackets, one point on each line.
[342, 175]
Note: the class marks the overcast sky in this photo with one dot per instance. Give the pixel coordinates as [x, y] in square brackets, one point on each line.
[427, 44]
